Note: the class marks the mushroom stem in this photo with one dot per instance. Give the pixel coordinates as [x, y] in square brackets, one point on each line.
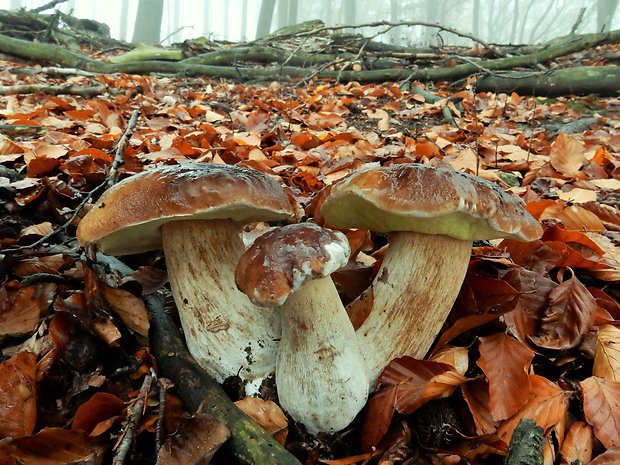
[224, 331]
[413, 292]
[320, 372]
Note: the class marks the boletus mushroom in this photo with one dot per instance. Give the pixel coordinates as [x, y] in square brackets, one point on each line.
[432, 216]
[320, 375]
[196, 212]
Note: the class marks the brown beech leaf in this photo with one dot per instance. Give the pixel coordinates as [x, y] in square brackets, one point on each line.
[377, 417]
[197, 441]
[415, 382]
[20, 311]
[55, 446]
[610, 457]
[505, 362]
[607, 353]
[129, 308]
[18, 404]
[570, 315]
[476, 394]
[547, 404]
[534, 290]
[577, 444]
[567, 155]
[601, 408]
[267, 414]
[98, 414]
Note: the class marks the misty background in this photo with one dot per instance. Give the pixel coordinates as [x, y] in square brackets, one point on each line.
[496, 21]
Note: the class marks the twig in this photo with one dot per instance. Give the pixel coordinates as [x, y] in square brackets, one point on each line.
[47, 6]
[120, 148]
[578, 21]
[162, 386]
[133, 420]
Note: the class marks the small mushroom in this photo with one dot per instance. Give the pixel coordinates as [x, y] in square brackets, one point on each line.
[196, 212]
[432, 215]
[320, 373]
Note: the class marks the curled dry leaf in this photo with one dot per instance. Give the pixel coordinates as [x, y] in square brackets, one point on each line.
[476, 394]
[607, 353]
[610, 457]
[405, 385]
[197, 441]
[577, 444]
[547, 404]
[55, 446]
[601, 407]
[567, 155]
[18, 404]
[569, 316]
[129, 308]
[20, 311]
[505, 362]
[98, 414]
[267, 414]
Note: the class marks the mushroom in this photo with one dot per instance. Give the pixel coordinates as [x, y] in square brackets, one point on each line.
[320, 374]
[432, 215]
[196, 212]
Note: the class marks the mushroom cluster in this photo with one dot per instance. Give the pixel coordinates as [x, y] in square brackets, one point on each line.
[324, 368]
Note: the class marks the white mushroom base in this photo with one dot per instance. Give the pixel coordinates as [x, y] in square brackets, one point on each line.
[224, 331]
[413, 292]
[320, 372]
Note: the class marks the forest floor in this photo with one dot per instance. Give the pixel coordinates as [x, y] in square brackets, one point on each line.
[538, 319]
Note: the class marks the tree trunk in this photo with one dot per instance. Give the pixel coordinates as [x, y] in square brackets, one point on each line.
[123, 24]
[244, 21]
[265, 16]
[15, 4]
[605, 10]
[515, 21]
[476, 19]
[282, 13]
[206, 16]
[148, 22]
[292, 12]
[349, 13]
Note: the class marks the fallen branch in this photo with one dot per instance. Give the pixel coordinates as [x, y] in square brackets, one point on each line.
[62, 89]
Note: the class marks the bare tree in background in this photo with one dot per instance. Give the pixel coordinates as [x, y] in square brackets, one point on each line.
[123, 24]
[206, 17]
[148, 22]
[605, 10]
[292, 11]
[282, 13]
[349, 14]
[244, 21]
[265, 17]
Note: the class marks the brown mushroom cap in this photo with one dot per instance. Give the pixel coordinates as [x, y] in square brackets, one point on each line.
[127, 217]
[429, 200]
[280, 261]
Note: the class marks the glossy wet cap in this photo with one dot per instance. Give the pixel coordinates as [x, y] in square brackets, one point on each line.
[425, 199]
[128, 217]
[280, 261]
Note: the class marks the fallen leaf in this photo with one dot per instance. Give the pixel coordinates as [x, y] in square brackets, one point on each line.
[20, 311]
[267, 414]
[55, 446]
[607, 353]
[129, 308]
[569, 316]
[18, 389]
[98, 414]
[567, 154]
[610, 457]
[578, 444]
[476, 394]
[195, 442]
[505, 362]
[601, 407]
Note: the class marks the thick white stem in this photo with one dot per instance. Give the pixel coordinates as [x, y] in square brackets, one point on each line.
[225, 333]
[413, 292]
[320, 372]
